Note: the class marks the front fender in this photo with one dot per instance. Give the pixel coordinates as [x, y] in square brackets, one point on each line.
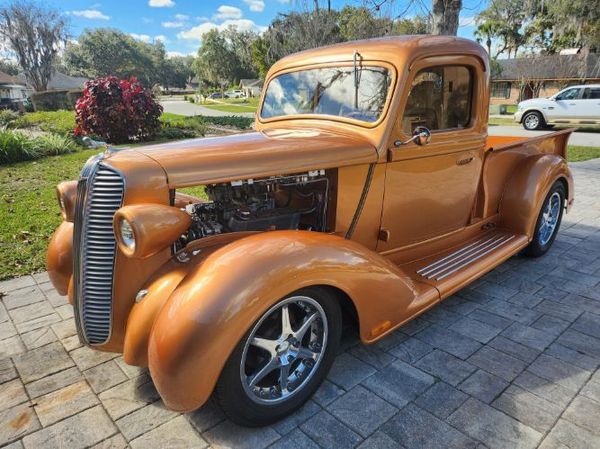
[59, 259]
[218, 301]
[527, 188]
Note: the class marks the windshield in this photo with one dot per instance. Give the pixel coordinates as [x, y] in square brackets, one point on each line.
[337, 91]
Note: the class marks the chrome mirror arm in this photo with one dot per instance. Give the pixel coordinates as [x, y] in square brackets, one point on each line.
[421, 136]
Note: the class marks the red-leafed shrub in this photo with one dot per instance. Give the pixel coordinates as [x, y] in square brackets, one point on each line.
[117, 110]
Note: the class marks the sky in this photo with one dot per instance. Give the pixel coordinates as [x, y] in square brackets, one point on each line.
[181, 23]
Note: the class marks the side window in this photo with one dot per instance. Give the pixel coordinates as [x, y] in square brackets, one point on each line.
[569, 94]
[439, 98]
[591, 93]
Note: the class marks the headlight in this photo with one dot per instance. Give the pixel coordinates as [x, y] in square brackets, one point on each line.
[143, 230]
[127, 235]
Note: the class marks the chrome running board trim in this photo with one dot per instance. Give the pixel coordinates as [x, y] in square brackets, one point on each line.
[450, 264]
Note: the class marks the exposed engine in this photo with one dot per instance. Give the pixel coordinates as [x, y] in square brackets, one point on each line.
[282, 202]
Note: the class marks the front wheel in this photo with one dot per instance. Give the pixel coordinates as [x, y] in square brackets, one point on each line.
[548, 221]
[533, 121]
[282, 360]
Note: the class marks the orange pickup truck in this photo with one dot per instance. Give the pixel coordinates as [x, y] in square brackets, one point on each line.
[369, 192]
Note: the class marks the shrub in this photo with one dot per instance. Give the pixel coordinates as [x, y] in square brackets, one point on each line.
[7, 116]
[191, 99]
[53, 144]
[117, 110]
[231, 120]
[73, 96]
[173, 133]
[50, 100]
[16, 147]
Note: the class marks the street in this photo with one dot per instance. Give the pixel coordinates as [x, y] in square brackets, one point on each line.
[582, 138]
[187, 108]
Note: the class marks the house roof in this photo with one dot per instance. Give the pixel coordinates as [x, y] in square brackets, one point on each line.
[550, 67]
[5, 78]
[250, 83]
[60, 81]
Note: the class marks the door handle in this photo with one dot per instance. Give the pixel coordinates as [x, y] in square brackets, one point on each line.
[571, 104]
[465, 161]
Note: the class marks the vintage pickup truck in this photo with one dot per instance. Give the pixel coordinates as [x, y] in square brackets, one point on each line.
[369, 192]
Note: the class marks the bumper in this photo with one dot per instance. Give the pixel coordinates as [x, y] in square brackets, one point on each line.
[518, 116]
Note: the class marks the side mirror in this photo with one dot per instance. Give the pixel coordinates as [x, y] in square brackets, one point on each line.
[421, 136]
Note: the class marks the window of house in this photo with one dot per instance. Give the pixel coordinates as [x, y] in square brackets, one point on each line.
[591, 93]
[501, 90]
[569, 94]
[439, 98]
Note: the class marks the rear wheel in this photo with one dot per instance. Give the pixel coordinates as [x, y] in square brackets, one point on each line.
[282, 360]
[533, 121]
[548, 221]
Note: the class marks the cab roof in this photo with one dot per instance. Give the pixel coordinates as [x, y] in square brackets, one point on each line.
[396, 50]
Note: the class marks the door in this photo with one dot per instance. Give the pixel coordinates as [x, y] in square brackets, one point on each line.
[567, 105]
[430, 190]
[591, 104]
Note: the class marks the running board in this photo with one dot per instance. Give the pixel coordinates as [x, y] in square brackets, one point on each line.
[461, 264]
[465, 256]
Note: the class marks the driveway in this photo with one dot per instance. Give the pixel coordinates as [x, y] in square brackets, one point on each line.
[187, 108]
[510, 362]
[584, 138]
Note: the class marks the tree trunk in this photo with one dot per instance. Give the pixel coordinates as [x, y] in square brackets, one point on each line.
[445, 16]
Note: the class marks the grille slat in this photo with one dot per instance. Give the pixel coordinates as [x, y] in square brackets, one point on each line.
[101, 197]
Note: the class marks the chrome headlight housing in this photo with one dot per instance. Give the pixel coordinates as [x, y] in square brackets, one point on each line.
[127, 234]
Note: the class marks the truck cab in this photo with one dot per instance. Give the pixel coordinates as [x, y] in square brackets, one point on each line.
[369, 192]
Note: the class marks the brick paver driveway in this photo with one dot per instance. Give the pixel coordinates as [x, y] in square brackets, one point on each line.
[509, 362]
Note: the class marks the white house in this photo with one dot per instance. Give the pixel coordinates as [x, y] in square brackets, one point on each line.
[251, 87]
[13, 91]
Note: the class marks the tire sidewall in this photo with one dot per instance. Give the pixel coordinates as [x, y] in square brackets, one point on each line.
[540, 120]
[231, 394]
[535, 247]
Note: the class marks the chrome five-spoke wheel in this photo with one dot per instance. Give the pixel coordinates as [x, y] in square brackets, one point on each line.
[550, 216]
[284, 349]
[548, 221]
[282, 359]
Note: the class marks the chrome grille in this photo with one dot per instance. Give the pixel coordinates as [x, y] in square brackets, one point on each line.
[100, 194]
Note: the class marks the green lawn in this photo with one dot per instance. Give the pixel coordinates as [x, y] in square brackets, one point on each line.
[29, 211]
[577, 154]
[232, 104]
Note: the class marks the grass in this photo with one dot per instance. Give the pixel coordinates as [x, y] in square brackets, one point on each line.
[59, 122]
[233, 104]
[29, 210]
[578, 154]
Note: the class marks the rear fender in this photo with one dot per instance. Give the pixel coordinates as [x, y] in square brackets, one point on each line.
[215, 305]
[527, 188]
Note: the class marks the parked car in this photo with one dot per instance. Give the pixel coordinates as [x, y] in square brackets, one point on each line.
[577, 105]
[215, 96]
[234, 94]
[366, 209]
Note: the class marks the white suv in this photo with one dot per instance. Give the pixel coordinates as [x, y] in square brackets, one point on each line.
[573, 105]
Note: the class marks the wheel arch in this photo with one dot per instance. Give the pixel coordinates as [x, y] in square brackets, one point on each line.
[217, 303]
[534, 109]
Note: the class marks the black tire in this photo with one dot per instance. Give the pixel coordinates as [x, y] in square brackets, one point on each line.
[238, 403]
[541, 243]
[533, 120]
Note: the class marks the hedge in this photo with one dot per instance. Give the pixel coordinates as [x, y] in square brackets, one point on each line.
[50, 100]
